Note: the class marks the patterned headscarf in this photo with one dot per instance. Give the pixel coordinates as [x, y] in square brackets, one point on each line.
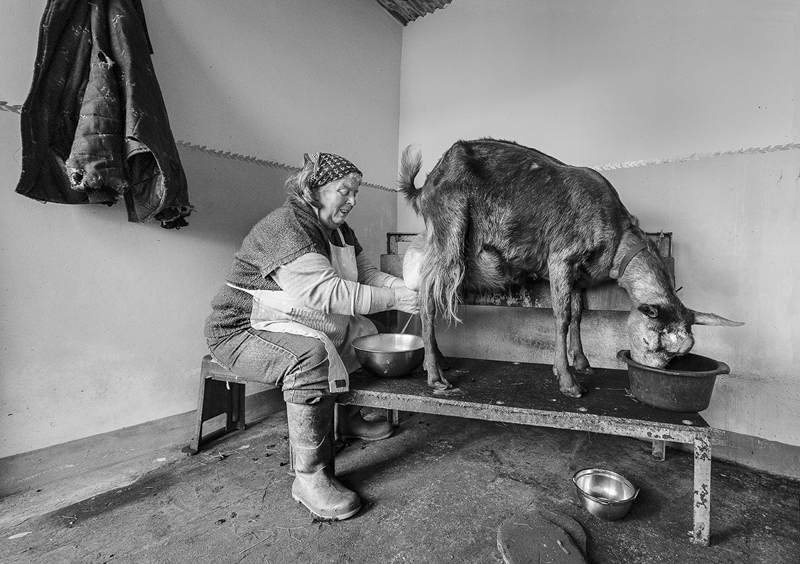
[327, 168]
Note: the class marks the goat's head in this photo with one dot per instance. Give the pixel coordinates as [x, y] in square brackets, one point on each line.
[660, 333]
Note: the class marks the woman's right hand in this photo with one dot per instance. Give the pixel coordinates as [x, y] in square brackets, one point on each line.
[406, 300]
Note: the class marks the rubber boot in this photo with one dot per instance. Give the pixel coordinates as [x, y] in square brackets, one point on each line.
[315, 486]
[353, 426]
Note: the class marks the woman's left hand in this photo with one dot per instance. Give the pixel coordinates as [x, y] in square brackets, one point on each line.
[406, 300]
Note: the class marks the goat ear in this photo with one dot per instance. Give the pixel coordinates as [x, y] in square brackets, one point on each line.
[650, 311]
[701, 318]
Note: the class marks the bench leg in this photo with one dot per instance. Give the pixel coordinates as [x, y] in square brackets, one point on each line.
[235, 420]
[659, 450]
[702, 491]
[194, 446]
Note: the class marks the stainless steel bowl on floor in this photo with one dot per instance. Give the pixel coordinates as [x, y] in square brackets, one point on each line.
[389, 355]
[604, 493]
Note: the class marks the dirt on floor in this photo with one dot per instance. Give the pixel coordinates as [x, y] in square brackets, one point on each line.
[435, 492]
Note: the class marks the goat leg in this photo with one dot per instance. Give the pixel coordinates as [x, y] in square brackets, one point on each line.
[579, 361]
[434, 361]
[560, 290]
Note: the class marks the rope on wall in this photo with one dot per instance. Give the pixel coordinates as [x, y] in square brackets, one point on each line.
[260, 162]
[698, 156]
[4, 106]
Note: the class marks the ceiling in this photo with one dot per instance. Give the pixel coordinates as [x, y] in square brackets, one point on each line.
[406, 11]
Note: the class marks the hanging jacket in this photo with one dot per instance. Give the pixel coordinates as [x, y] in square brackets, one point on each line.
[94, 126]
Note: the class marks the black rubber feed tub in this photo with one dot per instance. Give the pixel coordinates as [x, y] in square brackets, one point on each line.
[685, 385]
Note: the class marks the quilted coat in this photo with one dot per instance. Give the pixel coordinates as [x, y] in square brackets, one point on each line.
[94, 126]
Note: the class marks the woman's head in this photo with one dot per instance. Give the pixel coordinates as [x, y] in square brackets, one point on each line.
[329, 183]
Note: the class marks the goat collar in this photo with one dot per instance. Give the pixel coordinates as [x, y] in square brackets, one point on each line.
[632, 252]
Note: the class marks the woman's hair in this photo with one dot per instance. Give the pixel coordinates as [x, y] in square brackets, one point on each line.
[297, 185]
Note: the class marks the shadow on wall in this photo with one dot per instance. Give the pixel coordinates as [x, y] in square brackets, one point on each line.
[229, 196]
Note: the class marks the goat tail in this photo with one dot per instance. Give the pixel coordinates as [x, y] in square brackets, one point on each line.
[410, 164]
[442, 270]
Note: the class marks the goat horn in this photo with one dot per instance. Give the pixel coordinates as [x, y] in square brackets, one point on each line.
[701, 318]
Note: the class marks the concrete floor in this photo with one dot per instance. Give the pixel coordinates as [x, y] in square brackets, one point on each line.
[435, 492]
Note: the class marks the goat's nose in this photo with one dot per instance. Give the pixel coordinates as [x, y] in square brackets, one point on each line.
[686, 345]
[650, 341]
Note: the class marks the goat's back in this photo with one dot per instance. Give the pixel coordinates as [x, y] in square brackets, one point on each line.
[518, 206]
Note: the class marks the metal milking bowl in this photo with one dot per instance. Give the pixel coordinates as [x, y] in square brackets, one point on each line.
[389, 355]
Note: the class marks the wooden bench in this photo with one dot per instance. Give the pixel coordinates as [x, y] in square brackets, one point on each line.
[498, 391]
[527, 394]
[221, 393]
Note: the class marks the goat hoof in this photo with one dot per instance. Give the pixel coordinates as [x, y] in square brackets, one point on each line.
[587, 370]
[440, 384]
[574, 391]
[449, 392]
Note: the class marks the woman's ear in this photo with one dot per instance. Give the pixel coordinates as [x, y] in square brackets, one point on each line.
[311, 196]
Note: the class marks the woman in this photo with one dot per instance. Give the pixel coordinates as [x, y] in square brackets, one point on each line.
[293, 303]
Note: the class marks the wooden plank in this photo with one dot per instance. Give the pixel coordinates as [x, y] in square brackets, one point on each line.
[528, 394]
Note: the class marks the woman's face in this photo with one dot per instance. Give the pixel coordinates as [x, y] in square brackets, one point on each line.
[336, 199]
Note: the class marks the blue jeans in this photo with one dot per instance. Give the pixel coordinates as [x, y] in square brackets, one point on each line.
[297, 364]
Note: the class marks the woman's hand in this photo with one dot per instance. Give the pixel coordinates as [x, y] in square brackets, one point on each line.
[406, 300]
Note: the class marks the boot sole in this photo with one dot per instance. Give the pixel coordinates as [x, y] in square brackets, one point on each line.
[320, 515]
[370, 439]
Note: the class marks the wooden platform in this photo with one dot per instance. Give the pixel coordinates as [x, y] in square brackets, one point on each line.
[527, 394]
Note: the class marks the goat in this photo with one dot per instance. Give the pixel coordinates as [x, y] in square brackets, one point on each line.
[498, 213]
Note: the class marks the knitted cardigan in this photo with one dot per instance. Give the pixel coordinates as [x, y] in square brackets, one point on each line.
[287, 233]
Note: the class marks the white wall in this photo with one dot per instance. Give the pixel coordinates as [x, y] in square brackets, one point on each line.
[101, 321]
[598, 82]
[621, 80]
